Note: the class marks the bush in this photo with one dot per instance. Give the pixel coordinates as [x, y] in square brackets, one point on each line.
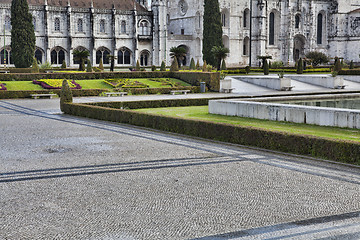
[277, 65]
[163, 66]
[247, 69]
[266, 67]
[300, 69]
[192, 64]
[223, 65]
[63, 65]
[317, 58]
[137, 68]
[337, 66]
[65, 94]
[174, 65]
[35, 66]
[204, 67]
[351, 65]
[197, 65]
[88, 66]
[153, 68]
[101, 65]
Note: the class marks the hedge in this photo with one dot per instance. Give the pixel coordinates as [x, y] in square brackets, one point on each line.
[212, 79]
[343, 151]
[350, 72]
[26, 94]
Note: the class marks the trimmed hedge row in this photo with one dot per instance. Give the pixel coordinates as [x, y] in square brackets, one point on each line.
[212, 79]
[343, 151]
[139, 91]
[350, 72]
[26, 94]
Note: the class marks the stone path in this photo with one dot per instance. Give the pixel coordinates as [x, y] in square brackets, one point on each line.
[63, 177]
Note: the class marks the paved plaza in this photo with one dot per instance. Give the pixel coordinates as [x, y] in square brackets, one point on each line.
[65, 177]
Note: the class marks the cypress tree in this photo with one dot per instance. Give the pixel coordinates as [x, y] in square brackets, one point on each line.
[163, 66]
[88, 66]
[63, 65]
[197, 65]
[300, 68]
[22, 34]
[204, 67]
[351, 65]
[101, 65]
[35, 66]
[137, 68]
[266, 67]
[223, 65]
[192, 64]
[174, 65]
[212, 30]
[337, 66]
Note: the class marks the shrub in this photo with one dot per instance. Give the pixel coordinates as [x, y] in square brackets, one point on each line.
[276, 65]
[88, 66]
[351, 65]
[101, 65]
[63, 65]
[317, 58]
[337, 66]
[153, 68]
[174, 65]
[209, 68]
[65, 95]
[247, 69]
[223, 65]
[204, 67]
[46, 65]
[35, 66]
[192, 64]
[163, 66]
[137, 67]
[266, 67]
[300, 69]
[197, 65]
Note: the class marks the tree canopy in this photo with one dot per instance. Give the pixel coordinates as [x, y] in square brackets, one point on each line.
[219, 53]
[179, 53]
[212, 30]
[22, 34]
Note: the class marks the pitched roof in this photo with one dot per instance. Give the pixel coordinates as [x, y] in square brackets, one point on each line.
[98, 4]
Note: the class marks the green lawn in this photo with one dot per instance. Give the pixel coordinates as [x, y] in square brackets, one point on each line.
[153, 84]
[21, 85]
[201, 113]
[93, 84]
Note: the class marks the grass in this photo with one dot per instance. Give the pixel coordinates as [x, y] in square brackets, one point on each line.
[201, 113]
[85, 84]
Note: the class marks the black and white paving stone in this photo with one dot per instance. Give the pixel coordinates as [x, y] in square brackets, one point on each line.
[63, 177]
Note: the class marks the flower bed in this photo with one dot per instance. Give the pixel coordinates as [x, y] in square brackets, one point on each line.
[125, 83]
[55, 83]
[2, 86]
[165, 82]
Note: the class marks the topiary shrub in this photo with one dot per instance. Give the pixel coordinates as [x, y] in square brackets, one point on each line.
[101, 65]
[137, 67]
[82, 65]
[300, 69]
[88, 66]
[174, 66]
[163, 66]
[65, 94]
[337, 66]
[35, 66]
[247, 69]
[223, 65]
[266, 67]
[351, 65]
[204, 67]
[153, 68]
[192, 64]
[197, 66]
[63, 65]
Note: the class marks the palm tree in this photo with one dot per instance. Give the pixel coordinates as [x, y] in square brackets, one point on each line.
[219, 53]
[179, 53]
[81, 56]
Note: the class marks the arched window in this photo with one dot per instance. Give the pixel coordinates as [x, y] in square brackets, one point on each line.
[272, 29]
[223, 18]
[198, 21]
[144, 28]
[102, 53]
[123, 27]
[320, 29]
[34, 23]
[7, 23]
[80, 25]
[246, 46]
[57, 55]
[38, 55]
[102, 26]
[297, 21]
[57, 24]
[124, 56]
[5, 56]
[246, 20]
[144, 58]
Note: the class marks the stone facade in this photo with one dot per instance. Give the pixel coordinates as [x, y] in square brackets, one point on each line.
[145, 31]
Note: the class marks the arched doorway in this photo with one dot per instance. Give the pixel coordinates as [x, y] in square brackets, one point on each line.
[184, 61]
[299, 47]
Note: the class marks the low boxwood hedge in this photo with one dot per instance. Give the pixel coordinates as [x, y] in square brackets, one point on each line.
[343, 151]
[26, 94]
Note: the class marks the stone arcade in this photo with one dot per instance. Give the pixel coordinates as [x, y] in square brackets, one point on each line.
[145, 30]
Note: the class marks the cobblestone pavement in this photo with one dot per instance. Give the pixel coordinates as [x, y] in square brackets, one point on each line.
[63, 177]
